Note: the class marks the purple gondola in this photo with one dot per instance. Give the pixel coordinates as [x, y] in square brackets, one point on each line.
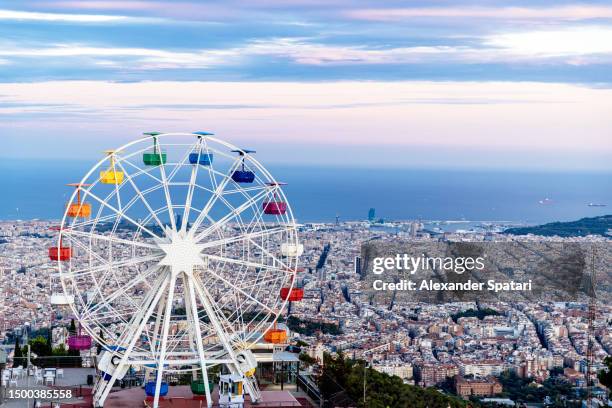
[243, 175]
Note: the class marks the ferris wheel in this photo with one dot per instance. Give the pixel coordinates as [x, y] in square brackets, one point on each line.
[178, 252]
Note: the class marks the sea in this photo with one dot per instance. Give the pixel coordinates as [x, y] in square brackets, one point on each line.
[35, 189]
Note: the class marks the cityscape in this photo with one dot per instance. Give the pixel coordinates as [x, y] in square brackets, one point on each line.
[466, 350]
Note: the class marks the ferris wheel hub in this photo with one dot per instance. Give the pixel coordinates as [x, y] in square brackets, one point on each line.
[182, 253]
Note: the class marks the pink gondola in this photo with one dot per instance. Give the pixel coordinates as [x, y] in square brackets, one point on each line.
[275, 206]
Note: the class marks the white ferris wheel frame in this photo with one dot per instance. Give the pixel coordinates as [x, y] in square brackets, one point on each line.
[168, 353]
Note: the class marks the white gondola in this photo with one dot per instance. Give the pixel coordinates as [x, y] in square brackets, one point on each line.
[292, 250]
[60, 299]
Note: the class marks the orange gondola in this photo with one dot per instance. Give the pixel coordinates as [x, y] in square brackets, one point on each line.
[276, 336]
[78, 209]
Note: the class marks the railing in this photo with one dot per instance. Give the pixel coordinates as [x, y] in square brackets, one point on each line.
[187, 403]
[309, 387]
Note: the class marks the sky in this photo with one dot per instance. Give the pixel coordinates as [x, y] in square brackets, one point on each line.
[487, 84]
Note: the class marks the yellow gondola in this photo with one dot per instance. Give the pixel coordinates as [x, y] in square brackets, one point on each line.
[111, 175]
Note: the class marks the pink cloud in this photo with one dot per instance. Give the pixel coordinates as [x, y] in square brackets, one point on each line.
[572, 12]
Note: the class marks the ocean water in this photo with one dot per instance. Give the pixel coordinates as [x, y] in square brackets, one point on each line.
[36, 189]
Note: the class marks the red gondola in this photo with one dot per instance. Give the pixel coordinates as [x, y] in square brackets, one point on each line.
[60, 253]
[292, 295]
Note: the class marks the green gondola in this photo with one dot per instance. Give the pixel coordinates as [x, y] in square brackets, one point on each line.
[157, 156]
[199, 388]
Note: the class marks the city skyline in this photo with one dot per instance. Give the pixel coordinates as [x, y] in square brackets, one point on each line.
[477, 84]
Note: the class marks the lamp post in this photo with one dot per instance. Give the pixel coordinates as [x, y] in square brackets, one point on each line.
[365, 365]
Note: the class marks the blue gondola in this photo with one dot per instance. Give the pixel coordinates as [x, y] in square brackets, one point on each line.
[150, 389]
[205, 159]
[200, 157]
[243, 175]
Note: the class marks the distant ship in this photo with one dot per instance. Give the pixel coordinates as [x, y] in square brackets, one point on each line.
[596, 205]
[545, 201]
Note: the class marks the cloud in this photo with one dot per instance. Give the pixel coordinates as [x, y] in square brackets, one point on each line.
[573, 46]
[567, 13]
[300, 51]
[69, 18]
[571, 41]
[148, 58]
[593, 45]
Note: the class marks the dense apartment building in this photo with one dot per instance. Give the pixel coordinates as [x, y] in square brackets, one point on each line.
[479, 387]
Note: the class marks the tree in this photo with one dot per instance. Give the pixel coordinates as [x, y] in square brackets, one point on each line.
[40, 346]
[605, 375]
[72, 329]
[341, 384]
[99, 346]
[60, 351]
[306, 359]
[18, 354]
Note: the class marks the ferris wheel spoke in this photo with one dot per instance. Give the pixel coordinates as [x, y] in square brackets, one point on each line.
[165, 183]
[116, 314]
[121, 214]
[123, 289]
[109, 238]
[213, 199]
[270, 255]
[228, 217]
[197, 334]
[181, 163]
[190, 189]
[248, 264]
[140, 171]
[242, 237]
[145, 202]
[164, 340]
[136, 331]
[146, 303]
[87, 248]
[246, 189]
[240, 290]
[111, 265]
[216, 316]
[93, 221]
